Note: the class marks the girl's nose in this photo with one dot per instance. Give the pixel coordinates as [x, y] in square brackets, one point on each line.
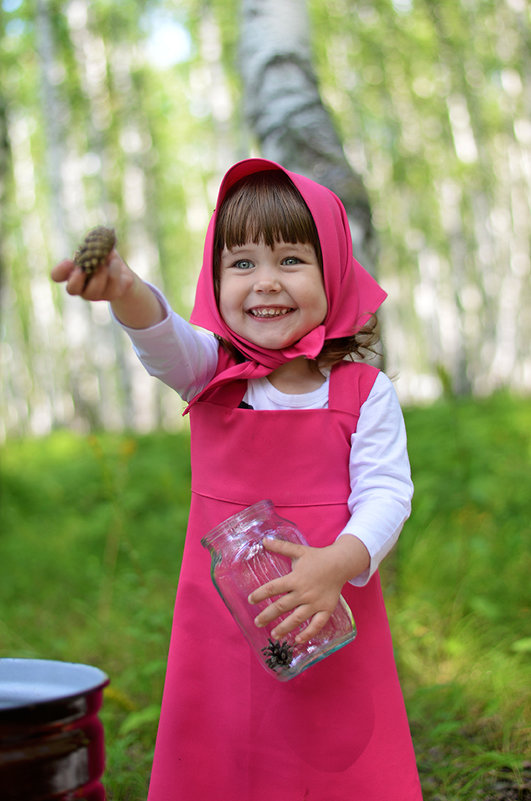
[266, 281]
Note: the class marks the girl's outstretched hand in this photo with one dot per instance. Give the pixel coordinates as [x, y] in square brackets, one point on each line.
[110, 281]
[132, 301]
[312, 589]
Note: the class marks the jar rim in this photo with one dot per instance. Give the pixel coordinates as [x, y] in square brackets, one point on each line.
[235, 521]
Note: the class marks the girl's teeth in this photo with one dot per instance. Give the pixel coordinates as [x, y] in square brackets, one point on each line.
[268, 312]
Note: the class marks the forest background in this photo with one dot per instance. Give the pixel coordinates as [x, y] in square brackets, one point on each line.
[128, 114]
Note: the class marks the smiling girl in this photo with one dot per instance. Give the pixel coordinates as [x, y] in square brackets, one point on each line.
[282, 406]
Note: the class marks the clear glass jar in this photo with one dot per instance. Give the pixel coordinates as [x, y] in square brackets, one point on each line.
[241, 564]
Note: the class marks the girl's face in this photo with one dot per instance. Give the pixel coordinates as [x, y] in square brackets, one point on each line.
[271, 296]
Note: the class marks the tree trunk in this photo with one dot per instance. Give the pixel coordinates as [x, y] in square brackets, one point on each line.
[285, 111]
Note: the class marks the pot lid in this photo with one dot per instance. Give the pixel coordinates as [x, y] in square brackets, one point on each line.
[26, 682]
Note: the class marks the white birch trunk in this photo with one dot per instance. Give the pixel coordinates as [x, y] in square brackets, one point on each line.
[285, 111]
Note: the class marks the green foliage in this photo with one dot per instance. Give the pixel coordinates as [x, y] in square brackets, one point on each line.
[91, 536]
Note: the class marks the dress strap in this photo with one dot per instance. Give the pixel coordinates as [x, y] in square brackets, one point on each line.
[350, 385]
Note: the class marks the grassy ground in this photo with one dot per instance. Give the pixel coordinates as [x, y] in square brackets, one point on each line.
[458, 598]
[91, 536]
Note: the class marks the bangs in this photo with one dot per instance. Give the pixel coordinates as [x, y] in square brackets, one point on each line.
[264, 207]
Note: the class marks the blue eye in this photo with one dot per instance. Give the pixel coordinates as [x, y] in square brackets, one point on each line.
[243, 264]
[290, 261]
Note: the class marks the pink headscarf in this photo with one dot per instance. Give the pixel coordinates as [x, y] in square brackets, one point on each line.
[352, 293]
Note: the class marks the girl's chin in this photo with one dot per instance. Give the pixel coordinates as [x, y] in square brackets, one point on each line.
[270, 340]
[273, 345]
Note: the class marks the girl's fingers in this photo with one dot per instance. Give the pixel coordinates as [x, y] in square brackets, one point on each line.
[293, 598]
[67, 271]
[317, 622]
[298, 619]
[297, 614]
[279, 586]
[293, 550]
[75, 283]
[97, 285]
[62, 271]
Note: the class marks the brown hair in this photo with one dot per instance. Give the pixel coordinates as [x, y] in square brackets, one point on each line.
[357, 347]
[263, 207]
[267, 207]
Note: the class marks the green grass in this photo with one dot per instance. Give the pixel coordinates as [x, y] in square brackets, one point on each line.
[91, 536]
[91, 540]
[458, 595]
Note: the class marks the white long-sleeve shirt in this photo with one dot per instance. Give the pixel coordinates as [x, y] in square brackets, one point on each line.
[380, 478]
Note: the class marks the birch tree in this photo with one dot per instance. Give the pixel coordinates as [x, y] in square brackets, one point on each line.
[284, 109]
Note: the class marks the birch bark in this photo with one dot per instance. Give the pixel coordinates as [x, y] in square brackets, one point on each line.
[284, 109]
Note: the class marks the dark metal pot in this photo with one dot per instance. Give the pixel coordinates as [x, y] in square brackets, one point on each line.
[51, 739]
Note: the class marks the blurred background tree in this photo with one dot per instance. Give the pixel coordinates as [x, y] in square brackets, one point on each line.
[128, 114]
[283, 107]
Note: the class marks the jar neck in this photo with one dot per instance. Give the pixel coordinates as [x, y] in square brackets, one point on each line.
[250, 524]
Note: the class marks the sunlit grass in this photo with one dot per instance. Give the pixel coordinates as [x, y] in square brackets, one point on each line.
[91, 538]
[458, 594]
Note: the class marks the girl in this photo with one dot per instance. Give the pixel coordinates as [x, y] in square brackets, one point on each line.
[278, 412]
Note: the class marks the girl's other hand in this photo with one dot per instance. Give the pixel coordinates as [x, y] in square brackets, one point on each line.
[110, 282]
[311, 591]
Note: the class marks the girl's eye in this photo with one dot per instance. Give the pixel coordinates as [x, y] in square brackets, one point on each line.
[290, 261]
[243, 264]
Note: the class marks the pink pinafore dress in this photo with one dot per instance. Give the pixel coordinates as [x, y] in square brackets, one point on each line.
[229, 731]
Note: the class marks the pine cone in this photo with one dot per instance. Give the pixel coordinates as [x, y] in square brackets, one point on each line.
[94, 249]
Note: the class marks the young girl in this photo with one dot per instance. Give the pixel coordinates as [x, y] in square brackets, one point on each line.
[277, 411]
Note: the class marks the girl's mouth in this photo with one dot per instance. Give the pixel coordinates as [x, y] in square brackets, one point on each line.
[269, 311]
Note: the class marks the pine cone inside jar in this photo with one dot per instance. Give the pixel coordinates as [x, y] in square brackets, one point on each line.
[94, 249]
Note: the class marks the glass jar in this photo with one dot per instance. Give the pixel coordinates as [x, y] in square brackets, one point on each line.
[241, 564]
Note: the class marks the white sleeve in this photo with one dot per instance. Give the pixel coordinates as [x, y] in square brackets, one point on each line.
[179, 355]
[380, 475]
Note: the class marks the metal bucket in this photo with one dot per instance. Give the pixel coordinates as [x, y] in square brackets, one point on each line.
[51, 739]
